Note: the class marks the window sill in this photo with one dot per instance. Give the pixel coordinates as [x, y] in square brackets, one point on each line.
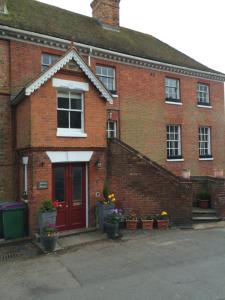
[206, 158]
[173, 103]
[204, 106]
[63, 132]
[175, 159]
[115, 96]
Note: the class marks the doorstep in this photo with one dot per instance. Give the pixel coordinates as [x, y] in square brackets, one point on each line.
[75, 239]
[211, 225]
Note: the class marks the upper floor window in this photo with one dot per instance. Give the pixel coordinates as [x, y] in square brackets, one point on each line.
[205, 142]
[174, 141]
[172, 89]
[70, 113]
[47, 60]
[107, 77]
[203, 94]
[111, 129]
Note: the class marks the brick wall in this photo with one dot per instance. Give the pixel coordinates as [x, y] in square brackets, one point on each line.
[144, 186]
[7, 171]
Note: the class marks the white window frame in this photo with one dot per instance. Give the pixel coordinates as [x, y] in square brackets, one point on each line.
[114, 130]
[172, 91]
[101, 75]
[171, 149]
[71, 132]
[202, 94]
[204, 137]
[52, 58]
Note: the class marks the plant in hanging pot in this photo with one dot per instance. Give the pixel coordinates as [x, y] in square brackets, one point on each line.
[204, 199]
[147, 222]
[49, 237]
[131, 221]
[47, 213]
[111, 224]
[162, 220]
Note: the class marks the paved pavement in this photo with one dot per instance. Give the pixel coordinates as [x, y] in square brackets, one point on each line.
[174, 264]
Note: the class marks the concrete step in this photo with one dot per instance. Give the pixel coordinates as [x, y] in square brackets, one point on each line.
[197, 210]
[205, 219]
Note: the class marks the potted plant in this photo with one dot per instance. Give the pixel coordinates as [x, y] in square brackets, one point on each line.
[104, 206]
[204, 199]
[162, 220]
[147, 222]
[49, 236]
[131, 221]
[111, 224]
[47, 213]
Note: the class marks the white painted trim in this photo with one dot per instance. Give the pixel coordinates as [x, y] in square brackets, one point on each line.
[115, 96]
[87, 198]
[55, 39]
[71, 55]
[174, 103]
[70, 85]
[68, 132]
[69, 156]
[207, 158]
[174, 160]
[204, 106]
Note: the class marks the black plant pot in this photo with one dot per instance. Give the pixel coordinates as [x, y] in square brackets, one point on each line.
[112, 230]
[49, 242]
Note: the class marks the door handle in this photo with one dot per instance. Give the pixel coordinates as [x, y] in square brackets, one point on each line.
[60, 205]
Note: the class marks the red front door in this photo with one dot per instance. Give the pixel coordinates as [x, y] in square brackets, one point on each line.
[69, 189]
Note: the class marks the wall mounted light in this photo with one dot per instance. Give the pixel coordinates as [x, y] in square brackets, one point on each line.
[186, 173]
[98, 164]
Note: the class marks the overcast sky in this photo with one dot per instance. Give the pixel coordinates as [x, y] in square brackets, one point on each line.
[195, 27]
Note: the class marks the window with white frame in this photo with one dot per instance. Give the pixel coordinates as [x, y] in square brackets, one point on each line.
[47, 60]
[107, 77]
[203, 94]
[205, 142]
[172, 89]
[174, 141]
[112, 129]
[70, 112]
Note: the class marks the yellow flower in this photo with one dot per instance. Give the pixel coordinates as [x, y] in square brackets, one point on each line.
[164, 213]
[110, 196]
[113, 199]
[105, 202]
[113, 195]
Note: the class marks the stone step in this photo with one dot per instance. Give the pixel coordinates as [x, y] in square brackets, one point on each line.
[205, 219]
[201, 212]
[198, 210]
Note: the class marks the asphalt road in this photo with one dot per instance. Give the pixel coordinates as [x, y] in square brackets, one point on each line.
[170, 265]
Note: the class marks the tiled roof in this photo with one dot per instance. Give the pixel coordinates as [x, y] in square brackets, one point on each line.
[45, 19]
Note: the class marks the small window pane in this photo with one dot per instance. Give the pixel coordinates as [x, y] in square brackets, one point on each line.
[76, 104]
[75, 119]
[63, 103]
[77, 184]
[59, 184]
[63, 119]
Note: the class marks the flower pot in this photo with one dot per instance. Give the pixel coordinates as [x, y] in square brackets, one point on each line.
[45, 219]
[102, 212]
[131, 224]
[203, 204]
[112, 230]
[162, 224]
[147, 224]
[49, 242]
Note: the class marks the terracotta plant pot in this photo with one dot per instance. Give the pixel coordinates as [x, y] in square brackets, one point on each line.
[147, 224]
[162, 224]
[131, 224]
[203, 204]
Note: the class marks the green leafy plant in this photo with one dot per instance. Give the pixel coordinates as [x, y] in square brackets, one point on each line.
[48, 206]
[147, 217]
[205, 195]
[49, 230]
[105, 191]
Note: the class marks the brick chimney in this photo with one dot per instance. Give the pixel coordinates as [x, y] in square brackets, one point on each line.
[3, 8]
[106, 11]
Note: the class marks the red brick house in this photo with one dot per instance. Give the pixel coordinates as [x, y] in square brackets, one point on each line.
[59, 104]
